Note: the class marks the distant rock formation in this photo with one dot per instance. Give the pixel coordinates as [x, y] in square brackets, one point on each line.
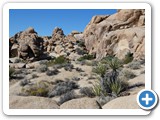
[28, 44]
[117, 34]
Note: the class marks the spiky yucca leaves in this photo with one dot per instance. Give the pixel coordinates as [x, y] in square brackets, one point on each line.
[114, 63]
[100, 69]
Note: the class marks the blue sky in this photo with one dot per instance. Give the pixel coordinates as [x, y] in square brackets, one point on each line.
[44, 21]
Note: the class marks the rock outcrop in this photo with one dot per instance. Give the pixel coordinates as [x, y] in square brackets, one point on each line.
[82, 103]
[117, 34]
[28, 44]
[32, 102]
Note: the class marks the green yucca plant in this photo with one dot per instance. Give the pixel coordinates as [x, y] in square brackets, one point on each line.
[114, 63]
[97, 90]
[100, 69]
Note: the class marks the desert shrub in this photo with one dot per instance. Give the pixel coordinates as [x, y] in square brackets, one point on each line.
[134, 65]
[11, 72]
[42, 68]
[67, 96]
[24, 82]
[100, 69]
[62, 88]
[97, 89]
[86, 57]
[106, 59]
[114, 63]
[87, 92]
[128, 74]
[128, 58]
[80, 43]
[68, 67]
[52, 72]
[34, 75]
[79, 69]
[60, 60]
[80, 51]
[37, 89]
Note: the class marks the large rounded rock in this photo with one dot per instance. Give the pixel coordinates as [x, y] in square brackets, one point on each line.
[117, 34]
[81, 103]
[127, 102]
[31, 102]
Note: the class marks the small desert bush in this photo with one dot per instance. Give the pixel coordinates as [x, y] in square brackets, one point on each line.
[60, 60]
[81, 43]
[128, 58]
[24, 82]
[134, 65]
[106, 59]
[128, 74]
[86, 57]
[62, 88]
[42, 68]
[11, 72]
[68, 67]
[87, 91]
[67, 96]
[100, 69]
[34, 75]
[52, 72]
[37, 89]
[80, 51]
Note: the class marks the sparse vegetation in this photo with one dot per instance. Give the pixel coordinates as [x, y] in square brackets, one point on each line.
[34, 76]
[80, 51]
[60, 60]
[97, 89]
[100, 69]
[52, 72]
[24, 82]
[86, 57]
[128, 74]
[62, 88]
[11, 72]
[134, 65]
[128, 58]
[42, 68]
[86, 91]
[38, 89]
[67, 96]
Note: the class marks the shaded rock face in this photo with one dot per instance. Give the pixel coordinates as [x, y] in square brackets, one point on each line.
[28, 44]
[117, 34]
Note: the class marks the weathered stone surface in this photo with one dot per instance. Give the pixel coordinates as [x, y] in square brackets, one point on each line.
[117, 34]
[17, 65]
[127, 102]
[31, 102]
[81, 103]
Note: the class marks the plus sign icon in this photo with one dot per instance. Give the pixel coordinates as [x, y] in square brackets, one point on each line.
[147, 99]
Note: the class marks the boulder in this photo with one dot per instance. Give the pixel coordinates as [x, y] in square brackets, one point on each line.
[116, 34]
[31, 102]
[17, 65]
[127, 102]
[81, 103]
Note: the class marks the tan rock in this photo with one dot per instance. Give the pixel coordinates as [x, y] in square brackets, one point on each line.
[81, 103]
[31, 102]
[59, 49]
[127, 102]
